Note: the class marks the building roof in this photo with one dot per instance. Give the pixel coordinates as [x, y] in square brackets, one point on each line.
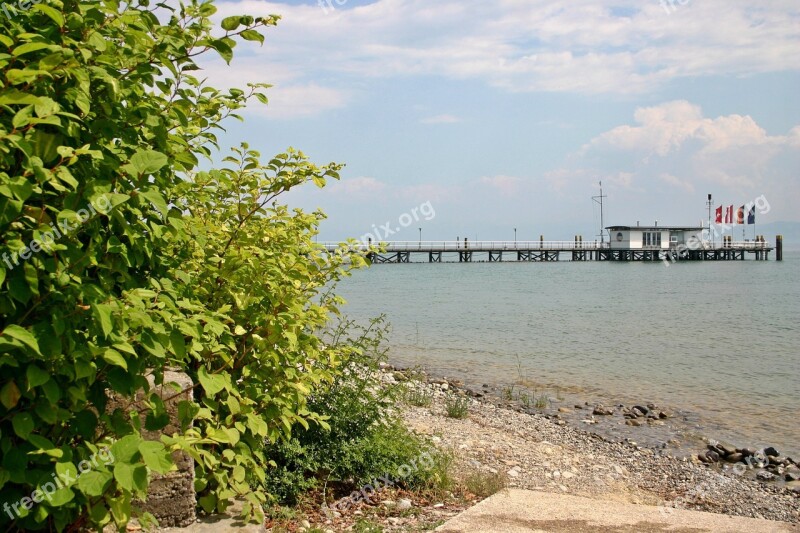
[655, 228]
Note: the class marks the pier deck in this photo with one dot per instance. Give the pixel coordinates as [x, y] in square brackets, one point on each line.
[549, 251]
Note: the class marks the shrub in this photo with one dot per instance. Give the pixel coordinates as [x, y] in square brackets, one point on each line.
[363, 437]
[121, 259]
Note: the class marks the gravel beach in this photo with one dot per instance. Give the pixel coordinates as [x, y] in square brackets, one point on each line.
[538, 453]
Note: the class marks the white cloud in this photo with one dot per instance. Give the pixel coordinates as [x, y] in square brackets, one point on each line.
[441, 119]
[505, 184]
[533, 45]
[673, 150]
[290, 95]
[359, 186]
[677, 182]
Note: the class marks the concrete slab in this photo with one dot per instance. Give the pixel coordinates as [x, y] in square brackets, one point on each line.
[518, 511]
[218, 524]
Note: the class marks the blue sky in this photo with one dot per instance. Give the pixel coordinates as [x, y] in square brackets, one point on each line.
[506, 114]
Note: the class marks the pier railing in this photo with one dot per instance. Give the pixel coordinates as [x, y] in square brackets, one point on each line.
[484, 246]
[501, 246]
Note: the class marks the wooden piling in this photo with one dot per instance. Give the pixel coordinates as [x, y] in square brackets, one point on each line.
[779, 248]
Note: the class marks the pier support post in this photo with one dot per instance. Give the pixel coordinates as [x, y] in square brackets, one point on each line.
[779, 248]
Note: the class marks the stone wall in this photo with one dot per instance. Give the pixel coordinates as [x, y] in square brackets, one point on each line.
[171, 496]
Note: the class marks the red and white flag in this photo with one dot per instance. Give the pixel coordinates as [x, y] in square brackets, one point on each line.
[740, 215]
[718, 220]
[729, 215]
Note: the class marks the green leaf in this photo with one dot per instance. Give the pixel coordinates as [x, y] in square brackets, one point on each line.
[212, 383]
[126, 448]
[23, 424]
[66, 470]
[57, 17]
[41, 442]
[61, 497]
[131, 477]
[94, 483]
[113, 357]
[120, 508]
[223, 49]
[22, 335]
[146, 162]
[103, 314]
[28, 47]
[231, 23]
[252, 35]
[17, 76]
[36, 376]
[156, 199]
[14, 96]
[155, 456]
[208, 503]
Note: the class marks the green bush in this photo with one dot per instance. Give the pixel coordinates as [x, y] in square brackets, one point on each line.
[364, 438]
[120, 259]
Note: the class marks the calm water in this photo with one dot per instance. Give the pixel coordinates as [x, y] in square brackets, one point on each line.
[718, 341]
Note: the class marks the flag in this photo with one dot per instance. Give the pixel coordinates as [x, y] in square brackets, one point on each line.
[740, 215]
[718, 220]
[729, 215]
[751, 216]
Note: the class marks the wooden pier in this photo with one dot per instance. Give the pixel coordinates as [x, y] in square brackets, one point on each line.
[551, 251]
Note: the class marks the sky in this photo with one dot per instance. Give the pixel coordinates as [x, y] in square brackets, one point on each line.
[460, 118]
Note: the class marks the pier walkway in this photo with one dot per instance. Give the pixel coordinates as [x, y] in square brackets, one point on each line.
[545, 251]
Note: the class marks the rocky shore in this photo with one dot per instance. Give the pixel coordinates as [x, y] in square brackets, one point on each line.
[545, 453]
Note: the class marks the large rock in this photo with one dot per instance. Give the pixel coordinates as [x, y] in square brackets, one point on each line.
[763, 475]
[771, 452]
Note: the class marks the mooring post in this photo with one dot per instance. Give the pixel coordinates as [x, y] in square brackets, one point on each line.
[779, 248]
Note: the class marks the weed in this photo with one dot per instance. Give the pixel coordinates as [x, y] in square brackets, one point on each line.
[440, 479]
[541, 401]
[508, 393]
[485, 484]
[456, 406]
[363, 525]
[525, 399]
[418, 396]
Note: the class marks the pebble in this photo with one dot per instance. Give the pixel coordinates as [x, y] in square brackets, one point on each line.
[403, 504]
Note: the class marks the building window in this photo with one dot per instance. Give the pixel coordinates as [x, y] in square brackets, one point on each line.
[651, 238]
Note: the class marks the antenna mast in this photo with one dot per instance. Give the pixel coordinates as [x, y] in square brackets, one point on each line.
[599, 200]
[710, 204]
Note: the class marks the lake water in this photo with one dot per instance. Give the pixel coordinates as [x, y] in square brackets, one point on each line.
[716, 341]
